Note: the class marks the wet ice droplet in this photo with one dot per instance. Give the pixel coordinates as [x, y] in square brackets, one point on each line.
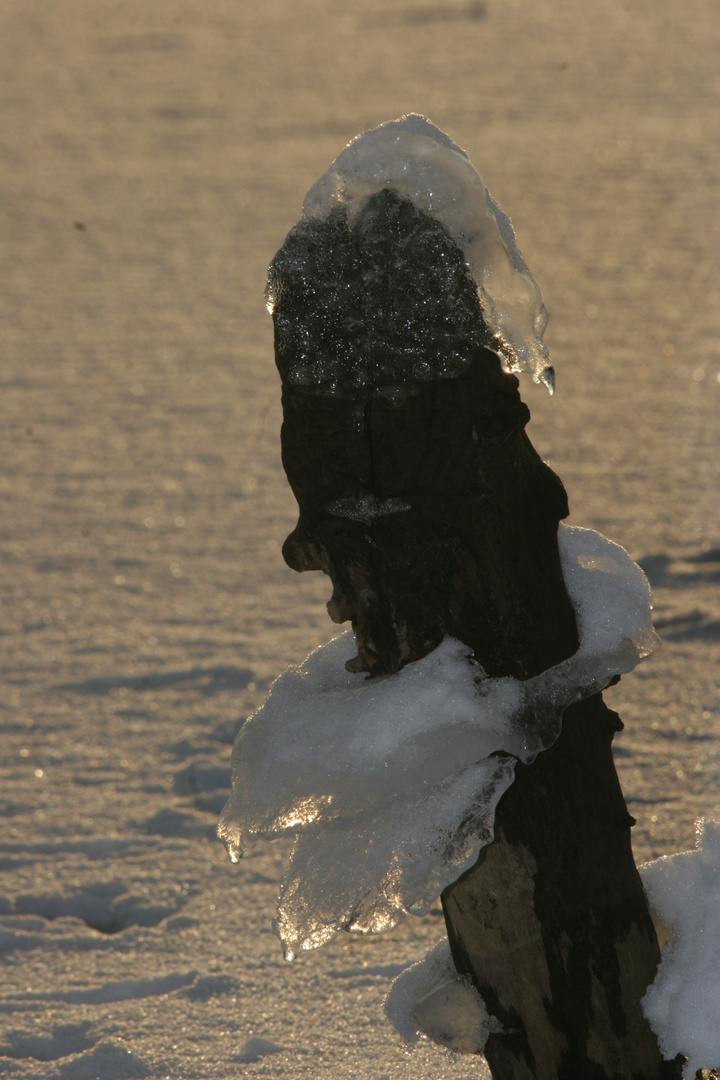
[547, 378]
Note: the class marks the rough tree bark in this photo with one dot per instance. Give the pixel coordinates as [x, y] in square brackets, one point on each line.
[422, 498]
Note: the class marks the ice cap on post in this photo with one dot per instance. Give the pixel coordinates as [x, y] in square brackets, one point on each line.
[419, 163]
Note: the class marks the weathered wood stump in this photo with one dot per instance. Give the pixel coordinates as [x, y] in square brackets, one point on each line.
[424, 501]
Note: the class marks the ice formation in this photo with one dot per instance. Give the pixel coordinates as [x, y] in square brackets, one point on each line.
[389, 785]
[683, 1003]
[414, 158]
[431, 999]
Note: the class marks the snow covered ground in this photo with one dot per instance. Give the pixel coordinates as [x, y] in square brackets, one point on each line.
[153, 158]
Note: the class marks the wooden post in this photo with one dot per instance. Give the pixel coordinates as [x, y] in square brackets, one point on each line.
[422, 498]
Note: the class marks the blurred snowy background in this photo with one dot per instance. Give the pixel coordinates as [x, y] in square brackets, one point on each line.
[152, 159]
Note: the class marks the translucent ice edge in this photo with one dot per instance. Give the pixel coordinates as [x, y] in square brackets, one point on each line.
[417, 160]
[683, 1003]
[390, 784]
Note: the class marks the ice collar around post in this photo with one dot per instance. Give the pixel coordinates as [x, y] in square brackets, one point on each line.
[403, 795]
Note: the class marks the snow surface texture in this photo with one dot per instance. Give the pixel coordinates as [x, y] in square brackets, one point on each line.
[390, 784]
[683, 1003]
[432, 999]
[418, 161]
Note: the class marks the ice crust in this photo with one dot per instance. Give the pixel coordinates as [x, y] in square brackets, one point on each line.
[389, 785]
[683, 1003]
[414, 158]
[430, 999]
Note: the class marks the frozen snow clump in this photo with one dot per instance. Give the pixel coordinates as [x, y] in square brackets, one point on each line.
[431, 999]
[413, 158]
[389, 784]
[683, 1003]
